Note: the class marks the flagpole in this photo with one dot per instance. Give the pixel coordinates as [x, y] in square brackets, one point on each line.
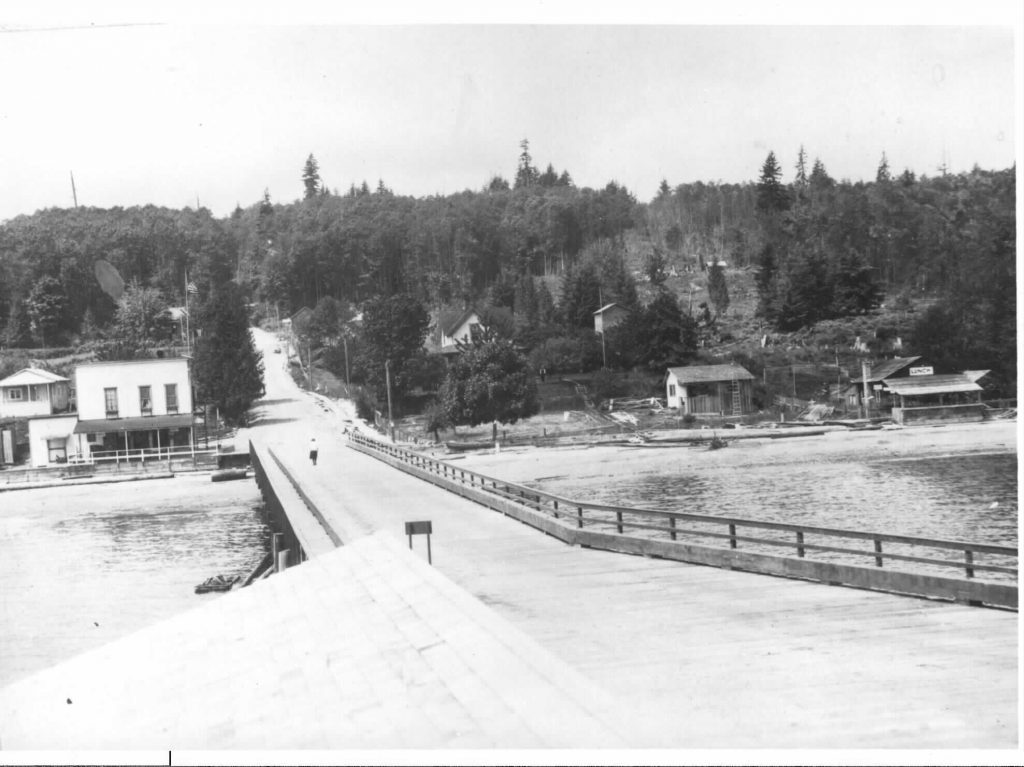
[188, 334]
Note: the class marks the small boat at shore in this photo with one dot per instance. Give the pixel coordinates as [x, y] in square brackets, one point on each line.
[216, 583]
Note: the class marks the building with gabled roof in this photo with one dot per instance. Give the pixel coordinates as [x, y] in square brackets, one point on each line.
[464, 328]
[608, 316]
[710, 389]
[33, 392]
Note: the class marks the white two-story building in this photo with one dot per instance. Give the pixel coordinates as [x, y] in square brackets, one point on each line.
[131, 406]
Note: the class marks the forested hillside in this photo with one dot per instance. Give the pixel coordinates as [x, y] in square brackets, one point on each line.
[541, 254]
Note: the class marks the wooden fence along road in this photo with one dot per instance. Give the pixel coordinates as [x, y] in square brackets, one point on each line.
[893, 563]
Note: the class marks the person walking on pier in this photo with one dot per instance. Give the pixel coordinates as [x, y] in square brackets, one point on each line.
[312, 450]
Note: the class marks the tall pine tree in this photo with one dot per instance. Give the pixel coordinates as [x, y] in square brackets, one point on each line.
[771, 194]
[227, 368]
[311, 178]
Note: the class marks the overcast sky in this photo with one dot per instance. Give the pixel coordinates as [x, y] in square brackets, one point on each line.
[171, 113]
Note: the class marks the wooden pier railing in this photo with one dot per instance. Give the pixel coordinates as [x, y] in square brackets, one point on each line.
[972, 573]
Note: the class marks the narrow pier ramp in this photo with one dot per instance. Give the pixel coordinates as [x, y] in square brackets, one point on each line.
[363, 647]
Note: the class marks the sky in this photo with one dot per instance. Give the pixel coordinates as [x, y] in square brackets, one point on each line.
[215, 110]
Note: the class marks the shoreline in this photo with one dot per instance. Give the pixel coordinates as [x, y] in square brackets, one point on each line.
[609, 462]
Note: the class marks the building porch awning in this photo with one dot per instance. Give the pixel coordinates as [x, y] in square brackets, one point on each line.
[144, 423]
[933, 384]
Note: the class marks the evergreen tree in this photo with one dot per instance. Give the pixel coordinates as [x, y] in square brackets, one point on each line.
[497, 184]
[227, 369]
[549, 177]
[771, 194]
[620, 287]
[545, 305]
[654, 268]
[311, 178]
[674, 237]
[801, 169]
[819, 176]
[882, 176]
[581, 296]
[718, 290]
[394, 328]
[526, 174]
[664, 335]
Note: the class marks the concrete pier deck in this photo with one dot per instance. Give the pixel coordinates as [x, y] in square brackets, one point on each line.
[715, 658]
[365, 647]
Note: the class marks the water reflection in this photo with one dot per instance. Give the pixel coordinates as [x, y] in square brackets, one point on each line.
[87, 564]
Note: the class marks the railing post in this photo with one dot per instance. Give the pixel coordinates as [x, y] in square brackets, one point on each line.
[732, 536]
[672, 524]
[579, 517]
[618, 520]
[799, 543]
[275, 547]
[878, 552]
[556, 508]
[969, 560]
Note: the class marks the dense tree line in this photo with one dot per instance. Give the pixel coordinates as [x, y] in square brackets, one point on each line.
[541, 254]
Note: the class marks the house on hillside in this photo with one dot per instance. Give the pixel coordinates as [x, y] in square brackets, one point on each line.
[129, 406]
[710, 389]
[608, 316]
[463, 328]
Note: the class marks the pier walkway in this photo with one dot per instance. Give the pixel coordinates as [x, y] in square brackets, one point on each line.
[512, 639]
[714, 658]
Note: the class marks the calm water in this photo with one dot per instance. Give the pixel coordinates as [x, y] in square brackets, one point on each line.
[971, 498]
[83, 565]
[963, 498]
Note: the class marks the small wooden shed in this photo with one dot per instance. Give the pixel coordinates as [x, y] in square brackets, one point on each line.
[710, 389]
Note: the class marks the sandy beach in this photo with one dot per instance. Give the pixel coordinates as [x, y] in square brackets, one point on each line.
[529, 464]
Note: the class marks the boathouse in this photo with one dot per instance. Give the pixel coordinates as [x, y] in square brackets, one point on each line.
[710, 389]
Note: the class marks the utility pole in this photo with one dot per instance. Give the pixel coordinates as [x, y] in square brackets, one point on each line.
[344, 341]
[74, 194]
[309, 363]
[387, 381]
[839, 376]
[864, 377]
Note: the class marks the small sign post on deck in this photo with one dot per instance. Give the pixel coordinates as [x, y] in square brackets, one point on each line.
[420, 528]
